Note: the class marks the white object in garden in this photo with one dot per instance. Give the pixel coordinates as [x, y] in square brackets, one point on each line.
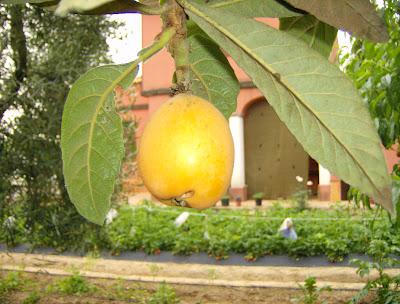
[181, 219]
[299, 179]
[287, 229]
[324, 176]
[9, 222]
[111, 215]
[238, 174]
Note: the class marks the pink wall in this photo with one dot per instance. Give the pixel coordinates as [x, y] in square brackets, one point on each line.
[391, 157]
[158, 71]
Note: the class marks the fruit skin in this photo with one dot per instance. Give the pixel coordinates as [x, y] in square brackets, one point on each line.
[186, 153]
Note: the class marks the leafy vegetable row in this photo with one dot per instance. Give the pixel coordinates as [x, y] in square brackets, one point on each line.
[334, 233]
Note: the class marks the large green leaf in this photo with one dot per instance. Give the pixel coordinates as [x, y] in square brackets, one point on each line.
[317, 34]
[255, 8]
[50, 5]
[91, 139]
[313, 98]
[91, 133]
[212, 76]
[358, 17]
[108, 7]
[25, 1]
[67, 6]
[90, 7]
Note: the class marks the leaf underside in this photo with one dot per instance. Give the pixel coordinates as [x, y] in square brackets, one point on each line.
[66, 6]
[92, 140]
[25, 1]
[254, 8]
[358, 17]
[212, 77]
[313, 98]
[317, 34]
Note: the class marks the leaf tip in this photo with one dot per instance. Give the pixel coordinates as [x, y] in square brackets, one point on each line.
[386, 201]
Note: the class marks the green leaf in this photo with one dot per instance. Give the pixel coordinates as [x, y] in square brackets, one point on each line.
[25, 1]
[255, 8]
[212, 76]
[358, 17]
[106, 7]
[67, 6]
[313, 98]
[317, 34]
[91, 139]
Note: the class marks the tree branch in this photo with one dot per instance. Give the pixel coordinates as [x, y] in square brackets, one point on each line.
[174, 16]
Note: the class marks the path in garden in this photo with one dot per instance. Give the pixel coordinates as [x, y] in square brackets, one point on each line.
[341, 278]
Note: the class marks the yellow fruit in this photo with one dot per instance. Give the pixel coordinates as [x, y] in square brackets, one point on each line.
[186, 153]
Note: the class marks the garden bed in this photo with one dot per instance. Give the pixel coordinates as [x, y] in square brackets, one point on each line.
[335, 233]
[200, 258]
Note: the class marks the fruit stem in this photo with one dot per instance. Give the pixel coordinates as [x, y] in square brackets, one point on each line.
[174, 16]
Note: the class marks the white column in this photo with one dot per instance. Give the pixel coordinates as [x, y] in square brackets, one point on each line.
[324, 176]
[238, 176]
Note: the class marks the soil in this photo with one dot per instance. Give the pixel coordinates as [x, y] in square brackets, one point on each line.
[186, 293]
[126, 281]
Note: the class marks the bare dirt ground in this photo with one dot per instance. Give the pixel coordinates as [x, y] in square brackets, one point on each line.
[193, 283]
[188, 294]
[189, 274]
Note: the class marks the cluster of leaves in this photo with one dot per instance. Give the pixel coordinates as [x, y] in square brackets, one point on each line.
[11, 282]
[164, 295]
[256, 235]
[385, 287]
[311, 292]
[313, 98]
[375, 70]
[41, 57]
[59, 228]
[73, 285]
[221, 233]
[15, 281]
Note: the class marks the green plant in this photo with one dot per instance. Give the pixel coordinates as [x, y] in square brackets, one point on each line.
[38, 66]
[11, 282]
[73, 285]
[315, 108]
[385, 287]
[124, 290]
[334, 232]
[301, 196]
[375, 70]
[164, 295]
[311, 293]
[32, 298]
[258, 195]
